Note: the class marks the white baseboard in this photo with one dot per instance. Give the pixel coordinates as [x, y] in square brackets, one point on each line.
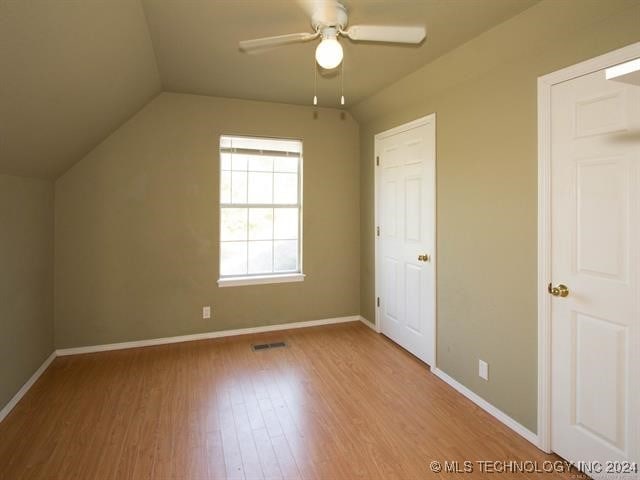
[372, 326]
[25, 388]
[204, 336]
[487, 407]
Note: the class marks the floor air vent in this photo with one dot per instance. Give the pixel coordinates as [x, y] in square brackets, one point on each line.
[266, 346]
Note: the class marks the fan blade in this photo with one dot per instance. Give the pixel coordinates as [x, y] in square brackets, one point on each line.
[268, 42]
[378, 33]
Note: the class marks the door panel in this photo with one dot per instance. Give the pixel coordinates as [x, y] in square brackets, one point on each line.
[595, 251]
[599, 380]
[602, 197]
[390, 195]
[391, 289]
[600, 114]
[406, 202]
[413, 209]
[413, 282]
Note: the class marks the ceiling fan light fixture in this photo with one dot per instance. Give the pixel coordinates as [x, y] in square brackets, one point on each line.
[329, 51]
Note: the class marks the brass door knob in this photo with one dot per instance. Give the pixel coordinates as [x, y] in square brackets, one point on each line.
[424, 258]
[559, 291]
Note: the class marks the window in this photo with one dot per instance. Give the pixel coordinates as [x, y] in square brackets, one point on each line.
[260, 210]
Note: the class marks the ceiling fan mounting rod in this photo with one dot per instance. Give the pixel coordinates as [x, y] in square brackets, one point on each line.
[329, 32]
[325, 17]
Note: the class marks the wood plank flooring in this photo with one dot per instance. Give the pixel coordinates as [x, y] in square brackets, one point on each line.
[340, 402]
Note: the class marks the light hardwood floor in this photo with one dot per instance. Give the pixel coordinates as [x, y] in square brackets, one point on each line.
[340, 402]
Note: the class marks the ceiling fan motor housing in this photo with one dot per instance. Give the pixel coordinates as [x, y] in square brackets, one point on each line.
[330, 17]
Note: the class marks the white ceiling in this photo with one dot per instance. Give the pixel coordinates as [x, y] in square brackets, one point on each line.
[72, 71]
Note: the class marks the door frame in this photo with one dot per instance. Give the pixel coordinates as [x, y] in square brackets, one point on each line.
[419, 122]
[545, 83]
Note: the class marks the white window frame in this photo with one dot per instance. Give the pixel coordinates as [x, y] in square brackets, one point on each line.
[270, 278]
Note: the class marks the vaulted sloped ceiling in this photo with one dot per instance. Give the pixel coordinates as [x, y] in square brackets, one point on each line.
[72, 71]
[197, 45]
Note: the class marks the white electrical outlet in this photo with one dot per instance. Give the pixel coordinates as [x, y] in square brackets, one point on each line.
[206, 312]
[483, 369]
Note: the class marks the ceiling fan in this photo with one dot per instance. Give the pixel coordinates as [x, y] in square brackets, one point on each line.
[329, 21]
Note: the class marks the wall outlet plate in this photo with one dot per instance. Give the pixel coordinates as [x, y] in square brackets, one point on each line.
[483, 369]
[206, 312]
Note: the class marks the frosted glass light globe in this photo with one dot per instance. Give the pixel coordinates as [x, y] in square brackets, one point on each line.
[329, 53]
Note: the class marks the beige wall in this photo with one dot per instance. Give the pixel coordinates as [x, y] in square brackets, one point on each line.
[26, 280]
[484, 95]
[137, 224]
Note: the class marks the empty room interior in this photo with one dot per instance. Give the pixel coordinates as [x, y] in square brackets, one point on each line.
[319, 239]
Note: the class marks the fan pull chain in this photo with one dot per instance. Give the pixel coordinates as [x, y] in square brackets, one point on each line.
[342, 83]
[315, 82]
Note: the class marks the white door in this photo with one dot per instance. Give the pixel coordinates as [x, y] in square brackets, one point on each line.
[405, 211]
[595, 242]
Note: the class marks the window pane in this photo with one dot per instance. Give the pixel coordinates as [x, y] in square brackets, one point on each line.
[262, 240]
[225, 187]
[260, 164]
[233, 224]
[238, 187]
[238, 161]
[260, 223]
[225, 161]
[286, 164]
[286, 188]
[233, 258]
[260, 187]
[261, 257]
[285, 255]
[285, 225]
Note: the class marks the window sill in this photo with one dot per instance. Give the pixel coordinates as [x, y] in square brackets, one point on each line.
[243, 281]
